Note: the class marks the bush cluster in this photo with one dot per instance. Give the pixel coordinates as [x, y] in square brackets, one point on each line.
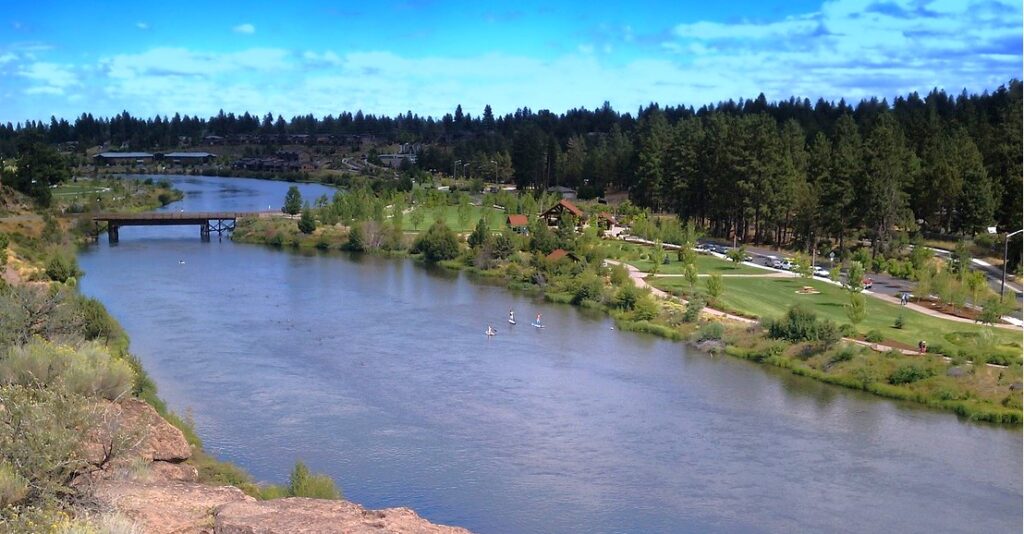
[801, 324]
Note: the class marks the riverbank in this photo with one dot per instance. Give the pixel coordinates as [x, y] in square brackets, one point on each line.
[125, 460]
[979, 393]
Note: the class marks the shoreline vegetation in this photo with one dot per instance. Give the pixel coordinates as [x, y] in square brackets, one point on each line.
[951, 376]
[61, 353]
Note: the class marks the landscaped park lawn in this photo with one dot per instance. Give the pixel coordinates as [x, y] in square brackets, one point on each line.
[639, 257]
[771, 297]
[495, 218]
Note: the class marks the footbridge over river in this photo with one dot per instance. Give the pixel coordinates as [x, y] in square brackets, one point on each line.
[207, 221]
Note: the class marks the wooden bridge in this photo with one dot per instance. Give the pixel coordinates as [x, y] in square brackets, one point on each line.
[207, 221]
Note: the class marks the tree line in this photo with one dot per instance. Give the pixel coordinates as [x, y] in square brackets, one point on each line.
[758, 170]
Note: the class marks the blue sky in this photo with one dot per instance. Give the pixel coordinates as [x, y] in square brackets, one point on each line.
[302, 57]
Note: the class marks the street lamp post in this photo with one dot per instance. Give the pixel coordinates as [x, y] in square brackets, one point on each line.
[1006, 248]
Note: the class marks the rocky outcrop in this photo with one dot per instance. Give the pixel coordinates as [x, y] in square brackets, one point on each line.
[299, 516]
[140, 469]
[166, 507]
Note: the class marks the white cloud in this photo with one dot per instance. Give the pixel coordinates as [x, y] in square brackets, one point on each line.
[8, 57]
[246, 29]
[44, 90]
[142, 25]
[48, 78]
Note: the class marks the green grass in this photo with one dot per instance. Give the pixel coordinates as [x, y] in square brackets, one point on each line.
[638, 256]
[495, 218]
[771, 297]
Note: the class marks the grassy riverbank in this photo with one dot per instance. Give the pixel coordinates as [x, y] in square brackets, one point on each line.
[977, 392]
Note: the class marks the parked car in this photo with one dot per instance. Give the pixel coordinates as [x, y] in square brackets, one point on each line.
[769, 260]
[788, 265]
[867, 283]
[820, 271]
[701, 247]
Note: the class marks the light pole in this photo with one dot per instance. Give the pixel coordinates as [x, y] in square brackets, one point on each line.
[1006, 248]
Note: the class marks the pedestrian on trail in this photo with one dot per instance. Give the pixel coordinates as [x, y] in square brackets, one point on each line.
[922, 346]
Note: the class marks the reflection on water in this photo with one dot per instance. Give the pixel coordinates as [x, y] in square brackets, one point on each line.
[377, 372]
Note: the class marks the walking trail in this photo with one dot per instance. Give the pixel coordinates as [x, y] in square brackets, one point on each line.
[639, 280]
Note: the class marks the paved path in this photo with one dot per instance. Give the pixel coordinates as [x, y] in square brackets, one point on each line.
[703, 275]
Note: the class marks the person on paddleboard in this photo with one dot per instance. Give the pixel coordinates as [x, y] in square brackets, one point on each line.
[512, 317]
[538, 319]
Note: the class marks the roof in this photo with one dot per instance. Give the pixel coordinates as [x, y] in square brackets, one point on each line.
[189, 155]
[123, 155]
[557, 254]
[518, 220]
[569, 206]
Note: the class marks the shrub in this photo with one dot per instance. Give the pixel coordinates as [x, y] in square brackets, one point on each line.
[88, 371]
[40, 437]
[627, 296]
[645, 309]
[438, 243]
[874, 336]
[844, 354]
[908, 374]
[711, 331]
[693, 308]
[303, 483]
[587, 286]
[620, 276]
[61, 267]
[847, 330]
[13, 487]
[801, 324]
[97, 323]
[898, 323]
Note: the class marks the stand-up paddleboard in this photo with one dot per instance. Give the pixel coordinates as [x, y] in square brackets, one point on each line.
[537, 325]
[511, 321]
[489, 332]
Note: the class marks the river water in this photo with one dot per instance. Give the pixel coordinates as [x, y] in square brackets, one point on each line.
[376, 371]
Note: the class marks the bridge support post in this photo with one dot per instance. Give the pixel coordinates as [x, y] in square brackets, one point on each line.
[204, 231]
[112, 233]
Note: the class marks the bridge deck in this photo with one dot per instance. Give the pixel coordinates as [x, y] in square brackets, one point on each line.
[170, 217]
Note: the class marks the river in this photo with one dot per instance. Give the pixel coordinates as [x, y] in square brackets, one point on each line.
[376, 371]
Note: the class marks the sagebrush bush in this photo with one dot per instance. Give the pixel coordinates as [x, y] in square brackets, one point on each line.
[41, 437]
[13, 487]
[89, 370]
[874, 336]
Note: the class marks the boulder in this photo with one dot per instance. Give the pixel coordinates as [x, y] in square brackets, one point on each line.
[167, 507]
[133, 429]
[300, 515]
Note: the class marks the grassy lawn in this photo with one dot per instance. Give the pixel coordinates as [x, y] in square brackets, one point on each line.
[638, 256]
[71, 189]
[771, 297]
[495, 218]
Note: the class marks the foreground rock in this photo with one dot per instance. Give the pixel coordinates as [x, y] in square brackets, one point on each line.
[167, 507]
[299, 515]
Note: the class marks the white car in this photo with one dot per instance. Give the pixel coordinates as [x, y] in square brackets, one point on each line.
[788, 265]
[820, 271]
